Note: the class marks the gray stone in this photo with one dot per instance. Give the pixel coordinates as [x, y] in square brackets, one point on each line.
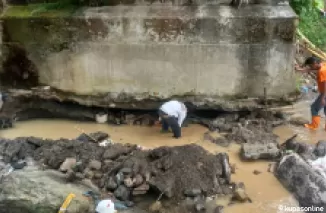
[111, 184]
[218, 209]
[68, 164]
[193, 192]
[138, 180]
[94, 164]
[259, 151]
[122, 193]
[128, 182]
[200, 207]
[88, 173]
[320, 150]
[240, 193]
[126, 171]
[32, 190]
[98, 175]
[305, 183]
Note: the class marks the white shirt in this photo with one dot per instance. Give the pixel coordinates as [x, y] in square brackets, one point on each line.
[105, 206]
[176, 109]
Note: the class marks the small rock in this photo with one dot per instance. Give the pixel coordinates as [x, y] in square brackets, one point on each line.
[156, 207]
[71, 176]
[240, 193]
[320, 150]
[218, 209]
[233, 168]
[256, 172]
[68, 164]
[111, 184]
[224, 159]
[147, 176]
[80, 175]
[221, 141]
[138, 180]
[270, 167]
[98, 175]
[122, 193]
[128, 182]
[192, 192]
[200, 207]
[143, 187]
[119, 178]
[94, 164]
[129, 203]
[88, 173]
[126, 171]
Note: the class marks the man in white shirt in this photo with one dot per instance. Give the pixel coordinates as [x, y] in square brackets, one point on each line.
[172, 114]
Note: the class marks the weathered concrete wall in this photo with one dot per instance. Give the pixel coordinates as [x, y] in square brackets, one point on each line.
[161, 51]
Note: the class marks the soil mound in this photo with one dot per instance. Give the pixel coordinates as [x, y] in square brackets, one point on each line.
[125, 170]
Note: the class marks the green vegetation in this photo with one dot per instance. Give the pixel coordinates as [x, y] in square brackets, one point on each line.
[311, 23]
[50, 9]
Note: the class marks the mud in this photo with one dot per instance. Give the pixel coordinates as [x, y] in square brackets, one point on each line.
[168, 170]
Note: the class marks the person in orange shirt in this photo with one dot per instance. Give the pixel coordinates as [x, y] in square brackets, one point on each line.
[313, 64]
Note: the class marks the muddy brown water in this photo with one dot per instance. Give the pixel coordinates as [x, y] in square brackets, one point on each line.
[264, 189]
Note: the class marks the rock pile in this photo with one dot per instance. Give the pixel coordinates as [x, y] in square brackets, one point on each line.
[125, 170]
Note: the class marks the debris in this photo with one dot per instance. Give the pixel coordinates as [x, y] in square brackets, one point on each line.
[193, 192]
[218, 209]
[259, 151]
[256, 172]
[68, 164]
[224, 158]
[320, 150]
[111, 184]
[66, 203]
[95, 164]
[271, 167]
[138, 180]
[200, 207]
[307, 185]
[128, 182]
[122, 193]
[156, 207]
[240, 192]
[233, 168]
[101, 118]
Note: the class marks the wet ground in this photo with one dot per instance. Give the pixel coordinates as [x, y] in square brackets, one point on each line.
[264, 189]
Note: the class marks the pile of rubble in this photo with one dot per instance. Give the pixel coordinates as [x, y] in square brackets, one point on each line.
[127, 171]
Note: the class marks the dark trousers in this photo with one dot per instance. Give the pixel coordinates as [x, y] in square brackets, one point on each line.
[170, 121]
[317, 106]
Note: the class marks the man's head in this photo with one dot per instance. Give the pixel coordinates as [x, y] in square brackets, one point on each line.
[313, 63]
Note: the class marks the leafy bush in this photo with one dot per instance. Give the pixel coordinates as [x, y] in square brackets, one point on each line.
[311, 23]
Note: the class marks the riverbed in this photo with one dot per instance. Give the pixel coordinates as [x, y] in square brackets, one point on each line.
[264, 189]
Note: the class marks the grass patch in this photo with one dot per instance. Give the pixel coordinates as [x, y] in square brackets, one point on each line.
[311, 22]
[46, 10]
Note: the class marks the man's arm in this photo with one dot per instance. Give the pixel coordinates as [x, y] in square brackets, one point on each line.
[323, 95]
[181, 117]
[302, 69]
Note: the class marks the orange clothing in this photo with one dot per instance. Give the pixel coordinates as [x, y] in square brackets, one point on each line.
[321, 78]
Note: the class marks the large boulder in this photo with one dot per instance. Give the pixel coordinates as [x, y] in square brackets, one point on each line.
[34, 191]
[302, 180]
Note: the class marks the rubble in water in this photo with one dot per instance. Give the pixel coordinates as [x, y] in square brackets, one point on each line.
[126, 171]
